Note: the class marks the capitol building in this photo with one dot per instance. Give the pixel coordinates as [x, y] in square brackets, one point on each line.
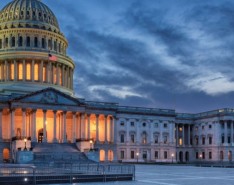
[38, 106]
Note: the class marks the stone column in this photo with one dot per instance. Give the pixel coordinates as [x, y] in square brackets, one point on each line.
[189, 135]
[106, 132]
[24, 123]
[44, 127]
[57, 74]
[55, 140]
[231, 131]
[48, 73]
[225, 133]
[64, 127]
[97, 128]
[82, 126]
[63, 72]
[6, 71]
[74, 127]
[12, 123]
[0, 125]
[88, 126]
[34, 125]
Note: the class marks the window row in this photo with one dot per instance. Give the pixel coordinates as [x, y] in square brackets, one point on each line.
[203, 140]
[144, 155]
[20, 71]
[144, 138]
[132, 124]
[202, 155]
[34, 42]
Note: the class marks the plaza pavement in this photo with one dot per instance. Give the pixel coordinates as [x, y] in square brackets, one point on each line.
[178, 175]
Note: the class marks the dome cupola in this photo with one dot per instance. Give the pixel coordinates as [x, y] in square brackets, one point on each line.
[32, 50]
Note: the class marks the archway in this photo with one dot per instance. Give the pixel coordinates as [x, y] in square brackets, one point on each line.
[6, 155]
[181, 156]
[110, 155]
[187, 156]
[102, 155]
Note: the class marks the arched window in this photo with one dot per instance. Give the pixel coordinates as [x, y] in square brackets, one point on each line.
[6, 42]
[36, 72]
[28, 71]
[20, 41]
[12, 71]
[35, 42]
[28, 41]
[43, 43]
[13, 42]
[20, 71]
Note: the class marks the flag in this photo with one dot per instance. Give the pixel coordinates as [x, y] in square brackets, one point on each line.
[52, 57]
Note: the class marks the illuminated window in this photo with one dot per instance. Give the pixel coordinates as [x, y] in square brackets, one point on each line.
[44, 73]
[36, 72]
[28, 71]
[180, 141]
[54, 75]
[12, 71]
[20, 71]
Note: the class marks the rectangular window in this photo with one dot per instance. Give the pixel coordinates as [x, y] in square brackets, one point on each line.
[203, 140]
[132, 138]
[121, 123]
[20, 71]
[210, 155]
[165, 154]
[210, 140]
[156, 155]
[156, 125]
[144, 155]
[165, 125]
[203, 127]
[12, 71]
[197, 155]
[55, 45]
[49, 44]
[43, 43]
[210, 126]
[122, 154]
[28, 42]
[196, 141]
[229, 139]
[222, 139]
[180, 141]
[44, 74]
[165, 139]
[122, 138]
[28, 71]
[132, 124]
[6, 42]
[203, 155]
[132, 154]
[36, 72]
[156, 139]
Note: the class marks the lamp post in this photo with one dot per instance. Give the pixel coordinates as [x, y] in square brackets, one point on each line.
[172, 156]
[137, 154]
[25, 142]
[91, 144]
[200, 156]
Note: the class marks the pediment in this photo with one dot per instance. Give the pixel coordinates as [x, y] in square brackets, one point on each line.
[49, 96]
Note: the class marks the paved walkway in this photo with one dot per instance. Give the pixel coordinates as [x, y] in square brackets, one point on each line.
[178, 175]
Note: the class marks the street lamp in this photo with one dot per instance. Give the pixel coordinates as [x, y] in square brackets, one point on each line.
[137, 154]
[172, 156]
[25, 142]
[91, 144]
[200, 156]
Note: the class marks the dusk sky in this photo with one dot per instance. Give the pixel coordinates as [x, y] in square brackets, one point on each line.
[176, 54]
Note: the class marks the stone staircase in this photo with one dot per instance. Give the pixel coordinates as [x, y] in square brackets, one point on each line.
[56, 153]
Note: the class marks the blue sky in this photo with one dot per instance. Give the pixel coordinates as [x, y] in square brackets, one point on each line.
[152, 53]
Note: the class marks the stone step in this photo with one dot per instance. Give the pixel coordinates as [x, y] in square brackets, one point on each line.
[55, 147]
